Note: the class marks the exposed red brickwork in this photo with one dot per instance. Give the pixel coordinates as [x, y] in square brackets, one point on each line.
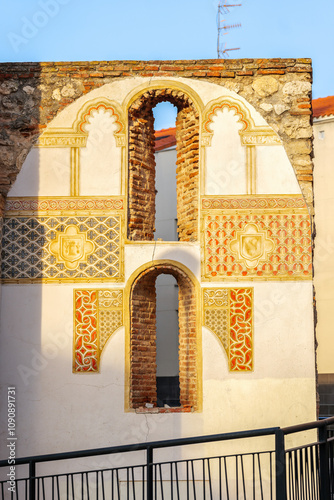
[143, 339]
[141, 202]
[187, 173]
[143, 387]
[187, 344]
[141, 206]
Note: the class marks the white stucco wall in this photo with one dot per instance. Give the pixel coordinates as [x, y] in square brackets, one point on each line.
[46, 172]
[100, 157]
[58, 410]
[225, 159]
[324, 241]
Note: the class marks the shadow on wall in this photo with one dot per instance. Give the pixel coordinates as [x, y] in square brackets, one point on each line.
[24, 354]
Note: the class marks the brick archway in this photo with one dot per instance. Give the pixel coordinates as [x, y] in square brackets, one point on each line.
[141, 180]
[143, 338]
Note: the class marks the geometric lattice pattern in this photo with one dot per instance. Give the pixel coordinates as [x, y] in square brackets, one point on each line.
[59, 248]
[97, 315]
[257, 246]
[218, 321]
[109, 321]
[110, 313]
[231, 320]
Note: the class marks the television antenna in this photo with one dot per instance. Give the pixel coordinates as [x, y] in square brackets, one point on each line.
[223, 28]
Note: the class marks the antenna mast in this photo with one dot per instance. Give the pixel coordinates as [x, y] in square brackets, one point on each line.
[223, 9]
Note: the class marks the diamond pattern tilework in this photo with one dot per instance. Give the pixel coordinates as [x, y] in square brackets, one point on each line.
[257, 246]
[26, 253]
[109, 321]
[218, 321]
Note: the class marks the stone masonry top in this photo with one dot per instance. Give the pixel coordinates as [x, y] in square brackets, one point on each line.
[33, 93]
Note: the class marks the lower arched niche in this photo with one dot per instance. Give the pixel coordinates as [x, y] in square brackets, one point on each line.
[142, 338]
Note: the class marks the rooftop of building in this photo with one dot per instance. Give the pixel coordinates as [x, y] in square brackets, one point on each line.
[324, 106]
[165, 138]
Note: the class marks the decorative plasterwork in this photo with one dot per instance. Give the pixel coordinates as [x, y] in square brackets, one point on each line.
[53, 138]
[87, 111]
[71, 247]
[98, 313]
[257, 238]
[61, 245]
[231, 104]
[76, 136]
[75, 171]
[281, 202]
[260, 136]
[164, 84]
[82, 119]
[228, 313]
[251, 245]
[250, 134]
[251, 169]
[61, 205]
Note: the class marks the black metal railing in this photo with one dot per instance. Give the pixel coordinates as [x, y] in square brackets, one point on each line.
[309, 469]
[301, 473]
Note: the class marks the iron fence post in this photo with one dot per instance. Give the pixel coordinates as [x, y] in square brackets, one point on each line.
[324, 464]
[280, 465]
[32, 475]
[149, 462]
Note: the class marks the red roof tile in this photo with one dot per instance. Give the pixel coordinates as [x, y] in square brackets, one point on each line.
[165, 138]
[324, 106]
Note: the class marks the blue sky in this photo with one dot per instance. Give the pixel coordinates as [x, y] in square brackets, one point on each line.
[73, 30]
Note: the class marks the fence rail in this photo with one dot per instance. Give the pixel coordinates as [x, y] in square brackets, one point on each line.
[302, 473]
